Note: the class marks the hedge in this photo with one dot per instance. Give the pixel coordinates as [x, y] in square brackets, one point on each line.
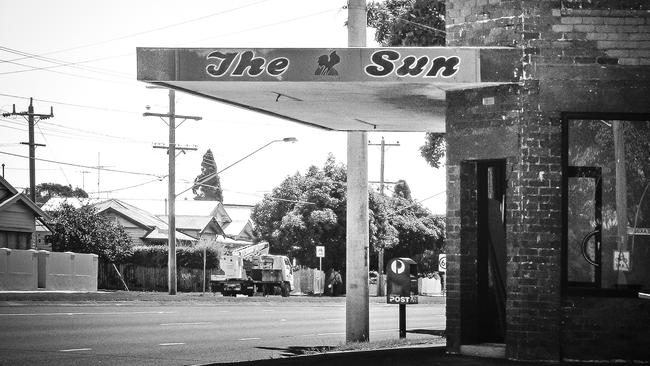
[188, 257]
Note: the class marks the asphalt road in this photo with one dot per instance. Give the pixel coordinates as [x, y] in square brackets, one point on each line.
[186, 334]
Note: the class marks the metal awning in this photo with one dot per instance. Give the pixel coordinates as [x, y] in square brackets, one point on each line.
[345, 89]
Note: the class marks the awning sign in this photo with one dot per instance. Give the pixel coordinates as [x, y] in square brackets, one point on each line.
[418, 64]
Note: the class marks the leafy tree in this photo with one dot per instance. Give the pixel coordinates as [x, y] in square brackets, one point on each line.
[421, 234]
[434, 148]
[412, 23]
[210, 189]
[83, 230]
[308, 210]
[408, 22]
[402, 190]
[45, 191]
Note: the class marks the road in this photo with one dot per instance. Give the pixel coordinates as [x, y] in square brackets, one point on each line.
[186, 334]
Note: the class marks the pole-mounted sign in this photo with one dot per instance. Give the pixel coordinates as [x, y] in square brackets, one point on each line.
[442, 263]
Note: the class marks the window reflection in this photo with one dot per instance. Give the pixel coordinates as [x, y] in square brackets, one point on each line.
[609, 175]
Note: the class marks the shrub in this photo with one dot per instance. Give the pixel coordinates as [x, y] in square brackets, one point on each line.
[188, 257]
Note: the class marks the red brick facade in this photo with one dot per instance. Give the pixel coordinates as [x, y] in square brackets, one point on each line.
[577, 56]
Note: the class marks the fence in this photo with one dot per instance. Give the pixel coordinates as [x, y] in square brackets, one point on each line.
[140, 278]
[18, 269]
[67, 271]
[308, 281]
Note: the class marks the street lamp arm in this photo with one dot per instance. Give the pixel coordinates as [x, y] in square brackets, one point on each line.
[207, 178]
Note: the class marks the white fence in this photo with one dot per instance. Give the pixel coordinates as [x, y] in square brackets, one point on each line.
[18, 270]
[67, 271]
[29, 270]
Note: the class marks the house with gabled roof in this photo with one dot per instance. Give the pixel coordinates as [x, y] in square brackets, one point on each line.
[239, 225]
[143, 227]
[18, 218]
[205, 229]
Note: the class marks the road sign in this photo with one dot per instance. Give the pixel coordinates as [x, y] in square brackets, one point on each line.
[442, 263]
[320, 251]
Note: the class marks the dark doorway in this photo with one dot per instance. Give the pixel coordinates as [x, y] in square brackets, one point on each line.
[491, 254]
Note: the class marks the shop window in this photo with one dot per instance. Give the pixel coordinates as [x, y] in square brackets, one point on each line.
[607, 202]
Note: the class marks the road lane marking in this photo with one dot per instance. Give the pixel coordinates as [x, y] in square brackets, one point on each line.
[249, 339]
[324, 334]
[75, 349]
[171, 344]
[196, 323]
[112, 313]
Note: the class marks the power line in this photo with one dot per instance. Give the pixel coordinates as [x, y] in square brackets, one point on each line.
[60, 63]
[267, 25]
[69, 74]
[84, 166]
[71, 104]
[144, 32]
[133, 186]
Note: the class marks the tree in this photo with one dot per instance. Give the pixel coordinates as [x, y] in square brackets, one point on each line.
[83, 230]
[309, 210]
[45, 191]
[421, 234]
[306, 211]
[210, 189]
[402, 190]
[412, 23]
[408, 22]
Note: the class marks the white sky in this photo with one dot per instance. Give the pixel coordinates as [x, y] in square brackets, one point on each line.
[100, 113]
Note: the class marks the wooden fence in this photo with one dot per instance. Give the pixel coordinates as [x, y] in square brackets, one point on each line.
[139, 278]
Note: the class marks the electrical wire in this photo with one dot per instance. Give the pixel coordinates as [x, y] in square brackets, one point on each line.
[266, 25]
[133, 186]
[146, 31]
[60, 63]
[71, 104]
[85, 166]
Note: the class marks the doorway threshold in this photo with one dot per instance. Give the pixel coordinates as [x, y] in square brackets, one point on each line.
[489, 350]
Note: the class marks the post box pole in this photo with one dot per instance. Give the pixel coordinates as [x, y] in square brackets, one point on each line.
[402, 321]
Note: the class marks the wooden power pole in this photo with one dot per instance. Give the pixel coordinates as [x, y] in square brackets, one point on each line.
[171, 191]
[382, 183]
[32, 119]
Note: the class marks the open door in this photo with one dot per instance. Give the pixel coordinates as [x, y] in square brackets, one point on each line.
[491, 255]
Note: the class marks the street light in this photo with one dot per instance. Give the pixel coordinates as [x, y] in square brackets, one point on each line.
[207, 178]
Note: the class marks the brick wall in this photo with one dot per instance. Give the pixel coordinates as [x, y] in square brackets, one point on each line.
[577, 56]
[603, 328]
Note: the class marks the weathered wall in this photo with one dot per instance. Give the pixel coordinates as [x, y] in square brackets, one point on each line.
[18, 270]
[577, 56]
[68, 271]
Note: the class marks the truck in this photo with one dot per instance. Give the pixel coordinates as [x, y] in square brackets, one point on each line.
[251, 270]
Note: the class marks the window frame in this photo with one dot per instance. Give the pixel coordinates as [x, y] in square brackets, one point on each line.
[567, 288]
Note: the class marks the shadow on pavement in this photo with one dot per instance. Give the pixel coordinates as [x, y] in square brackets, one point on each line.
[297, 350]
[438, 333]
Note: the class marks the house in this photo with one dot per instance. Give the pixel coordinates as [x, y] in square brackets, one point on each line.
[239, 226]
[143, 227]
[234, 219]
[18, 218]
[205, 229]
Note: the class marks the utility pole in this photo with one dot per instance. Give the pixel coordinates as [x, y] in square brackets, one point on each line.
[83, 179]
[32, 119]
[357, 312]
[380, 253]
[171, 191]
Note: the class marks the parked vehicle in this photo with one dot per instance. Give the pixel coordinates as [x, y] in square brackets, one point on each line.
[250, 270]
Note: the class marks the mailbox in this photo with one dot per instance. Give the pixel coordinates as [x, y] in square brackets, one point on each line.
[402, 281]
